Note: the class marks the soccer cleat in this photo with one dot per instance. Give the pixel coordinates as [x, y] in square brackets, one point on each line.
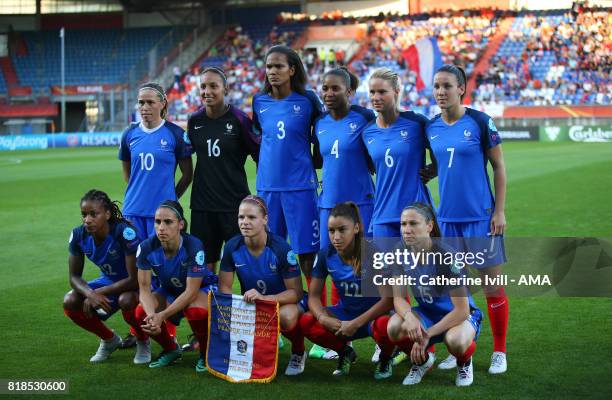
[346, 358]
[330, 355]
[201, 365]
[143, 352]
[384, 369]
[317, 351]
[465, 374]
[418, 371]
[128, 341]
[297, 362]
[376, 355]
[281, 343]
[192, 343]
[399, 358]
[449, 362]
[105, 349]
[499, 365]
[166, 358]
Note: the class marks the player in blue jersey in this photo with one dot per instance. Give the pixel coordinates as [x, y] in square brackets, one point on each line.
[446, 312]
[464, 141]
[110, 242]
[339, 135]
[267, 269]
[150, 151]
[222, 138]
[355, 314]
[284, 114]
[177, 259]
[396, 142]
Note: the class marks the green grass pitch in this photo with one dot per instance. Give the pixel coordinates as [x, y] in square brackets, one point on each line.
[557, 347]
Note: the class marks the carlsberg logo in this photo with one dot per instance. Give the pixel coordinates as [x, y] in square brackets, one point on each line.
[552, 132]
[590, 134]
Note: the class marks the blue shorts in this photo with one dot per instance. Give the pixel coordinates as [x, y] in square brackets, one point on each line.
[101, 282]
[475, 240]
[145, 226]
[295, 213]
[365, 210]
[474, 318]
[170, 297]
[343, 315]
[386, 230]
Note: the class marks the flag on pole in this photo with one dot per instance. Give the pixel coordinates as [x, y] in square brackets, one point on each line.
[243, 338]
[424, 58]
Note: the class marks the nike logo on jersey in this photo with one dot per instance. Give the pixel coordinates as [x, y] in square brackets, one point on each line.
[322, 131]
[198, 127]
[433, 137]
[316, 242]
[370, 141]
[239, 265]
[263, 110]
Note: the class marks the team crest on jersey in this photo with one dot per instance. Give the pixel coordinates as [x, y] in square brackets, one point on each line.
[467, 133]
[297, 109]
[163, 143]
[492, 126]
[404, 135]
[229, 129]
[129, 233]
[241, 346]
[272, 267]
[199, 258]
[291, 258]
[353, 127]
[186, 138]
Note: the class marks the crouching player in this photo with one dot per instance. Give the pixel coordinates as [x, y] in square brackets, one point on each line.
[267, 269]
[177, 259]
[445, 314]
[354, 316]
[110, 242]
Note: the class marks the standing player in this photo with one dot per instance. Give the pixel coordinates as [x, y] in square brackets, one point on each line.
[267, 269]
[110, 242]
[396, 142]
[284, 114]
[464, 141]
[445, 313]
[339, 135]
[150, 151]
[177, 259]
[355, 315]
[222, 138]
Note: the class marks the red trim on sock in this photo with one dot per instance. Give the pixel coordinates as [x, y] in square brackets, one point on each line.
[164, 339]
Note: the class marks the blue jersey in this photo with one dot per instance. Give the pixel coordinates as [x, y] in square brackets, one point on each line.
[460, 151]
[328, 262]
[153, 155]
[398, 153]
[173, 273]
[285, 125]
[346, 175]
[435, 300]
[109, 256]
[265, 273]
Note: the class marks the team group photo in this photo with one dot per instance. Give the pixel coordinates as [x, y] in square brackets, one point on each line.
[211, 195]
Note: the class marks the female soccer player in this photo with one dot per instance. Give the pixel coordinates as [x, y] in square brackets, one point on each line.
[463, 141]
[445, 313]
[353, 317]
[222, 138]
[267, 269]
[150, 151]
[284, 114]
[396, 142]
[177, 258]
[110, 242]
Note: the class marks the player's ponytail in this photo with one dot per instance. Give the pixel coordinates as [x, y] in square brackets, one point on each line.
[429, 214]
[350, 211]
[176, 207]
[351, 81]
[459, 74]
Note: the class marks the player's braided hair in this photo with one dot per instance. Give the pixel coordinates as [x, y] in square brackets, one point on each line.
[428, 213]
[176, 207]
[351, 211]
[458, 72]
[107, 203]
[299, 78]
[161, 94]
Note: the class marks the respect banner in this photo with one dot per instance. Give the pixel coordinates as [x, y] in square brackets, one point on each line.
[242, 338]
